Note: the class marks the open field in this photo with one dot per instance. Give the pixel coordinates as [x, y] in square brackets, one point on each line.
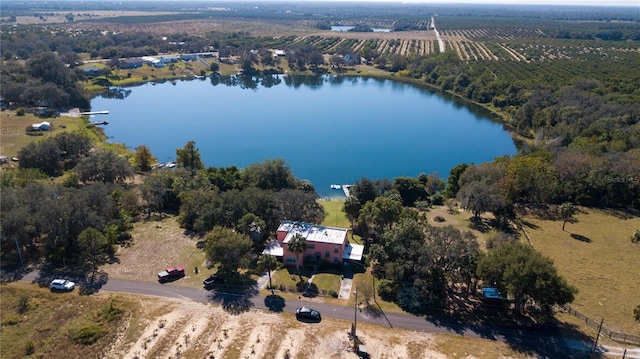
[152, 327]
[596, 255]
[13, 136]
[156, 245]
[51, 17]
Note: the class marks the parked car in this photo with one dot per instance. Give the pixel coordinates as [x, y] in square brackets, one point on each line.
[212, 280]
[62, 284]
[171, 273]
[307, 314]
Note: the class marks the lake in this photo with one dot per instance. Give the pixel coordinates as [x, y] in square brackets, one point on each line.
[329, 129]
[348, 28]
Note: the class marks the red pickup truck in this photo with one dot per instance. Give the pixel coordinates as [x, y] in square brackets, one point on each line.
[171, 273]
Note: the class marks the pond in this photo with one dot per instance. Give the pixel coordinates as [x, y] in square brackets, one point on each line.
[329, 129]
[349, 28]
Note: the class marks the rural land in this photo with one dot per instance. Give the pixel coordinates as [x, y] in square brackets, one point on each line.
[534, 255]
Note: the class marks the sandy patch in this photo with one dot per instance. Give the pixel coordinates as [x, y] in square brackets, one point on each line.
[184, 329]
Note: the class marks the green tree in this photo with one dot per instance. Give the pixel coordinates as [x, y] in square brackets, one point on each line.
[143, 158]
[297, 244]
[267, 263]
[382, 213]
[271, 175]
[410, 190]
[93, 246]
[231, 250]
[251, 225]
[351, 208]
[44, 156]
[635, 237]
[529, 179]
[299, 205]
[189, 157]
[452, 181]
[104, 166]
[364, 190]
[565, 213]
[521, 272]
[480, 189]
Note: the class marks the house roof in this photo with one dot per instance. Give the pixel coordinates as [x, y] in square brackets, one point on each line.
[353, 252]
[274, 248]
[41, 124]
[313, 233]
[131, 60]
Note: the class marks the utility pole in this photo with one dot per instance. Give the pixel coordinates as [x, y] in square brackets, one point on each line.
[595, 343]
[15, 238]
[355, 314]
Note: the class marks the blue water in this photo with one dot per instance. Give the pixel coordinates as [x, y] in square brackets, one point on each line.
[347, 28]
[330, 130]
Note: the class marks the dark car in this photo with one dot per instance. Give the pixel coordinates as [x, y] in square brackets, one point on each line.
[171, 273]
[212, 280]
[304, 313]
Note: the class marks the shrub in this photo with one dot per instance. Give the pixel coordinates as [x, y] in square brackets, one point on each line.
[333, 293]
[110, 312]
[23, 303]
[29, 347]
[87, 335]
[423, 205]
[438, 219]
[636, 312]
[437, 199]
[20, 112]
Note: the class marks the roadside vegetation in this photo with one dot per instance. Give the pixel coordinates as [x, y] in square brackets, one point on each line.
[39, 323]
[569, 93]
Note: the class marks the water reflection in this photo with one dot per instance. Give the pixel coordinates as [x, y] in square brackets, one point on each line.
[118, 93]
[330, 129]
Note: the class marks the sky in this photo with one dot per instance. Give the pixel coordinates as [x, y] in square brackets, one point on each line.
[542, 2]
[635, 3]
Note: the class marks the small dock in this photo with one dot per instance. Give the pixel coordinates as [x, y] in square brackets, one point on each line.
[95, 113]
[343, 187]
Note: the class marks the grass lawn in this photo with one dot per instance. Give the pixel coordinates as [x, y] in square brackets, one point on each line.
[337, 218]
[288, 277]
[596, 255]
[327, 282]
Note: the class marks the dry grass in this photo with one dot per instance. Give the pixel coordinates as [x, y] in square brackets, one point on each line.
[157, 245]
[596, 255]
[49, 319]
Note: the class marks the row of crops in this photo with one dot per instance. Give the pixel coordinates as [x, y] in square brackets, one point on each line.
[384, 47]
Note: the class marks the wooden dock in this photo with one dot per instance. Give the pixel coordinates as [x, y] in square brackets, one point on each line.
[95, 113]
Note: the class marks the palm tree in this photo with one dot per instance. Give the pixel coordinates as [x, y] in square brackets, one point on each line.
[267, 262]
[565, 212]
[297, 244]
